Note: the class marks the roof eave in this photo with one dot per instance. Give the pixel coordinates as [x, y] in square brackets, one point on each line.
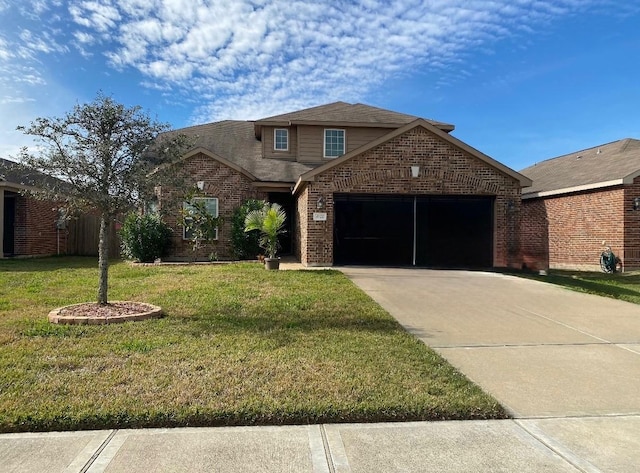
[570, 190]
[12, 186]
[336, 123]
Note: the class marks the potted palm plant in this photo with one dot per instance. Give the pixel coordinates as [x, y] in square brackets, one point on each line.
[269, 221]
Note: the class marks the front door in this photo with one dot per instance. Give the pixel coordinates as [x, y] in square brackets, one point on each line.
[8, 247]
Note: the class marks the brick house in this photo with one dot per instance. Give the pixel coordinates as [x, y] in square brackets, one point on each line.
[577, 202]
[361, 185]
[28, 227]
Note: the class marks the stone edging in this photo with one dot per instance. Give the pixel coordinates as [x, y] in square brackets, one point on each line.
[55, 317]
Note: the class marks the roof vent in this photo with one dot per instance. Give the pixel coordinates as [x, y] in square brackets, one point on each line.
[599, 151]
[579, 156]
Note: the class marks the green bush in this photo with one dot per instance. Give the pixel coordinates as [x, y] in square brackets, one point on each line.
[145, 238]
[245, 245]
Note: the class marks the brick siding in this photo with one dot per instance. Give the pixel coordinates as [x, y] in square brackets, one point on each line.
[35, 232]
[444, 170]
[568, 231]
[231, 188]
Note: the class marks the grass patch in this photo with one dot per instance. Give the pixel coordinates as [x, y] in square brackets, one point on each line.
[623, 286]
[238, 345]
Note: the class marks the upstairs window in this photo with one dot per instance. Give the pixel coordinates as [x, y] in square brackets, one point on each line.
[281, 139]
[333, 143]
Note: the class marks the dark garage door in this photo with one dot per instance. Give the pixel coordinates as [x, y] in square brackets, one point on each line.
[432, 231]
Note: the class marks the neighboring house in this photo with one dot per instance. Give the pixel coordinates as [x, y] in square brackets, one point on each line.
[28, 227]
[35, 227]
[361, 185]
[580, 202]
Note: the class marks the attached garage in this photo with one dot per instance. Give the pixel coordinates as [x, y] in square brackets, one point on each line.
[414, 197]
[414, 230]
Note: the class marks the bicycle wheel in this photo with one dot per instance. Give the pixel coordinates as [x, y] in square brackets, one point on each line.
[605, 263]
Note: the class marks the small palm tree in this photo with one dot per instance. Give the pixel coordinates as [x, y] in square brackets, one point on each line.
[269, 220]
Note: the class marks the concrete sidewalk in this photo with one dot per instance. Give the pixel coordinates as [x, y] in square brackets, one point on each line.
[464, 446]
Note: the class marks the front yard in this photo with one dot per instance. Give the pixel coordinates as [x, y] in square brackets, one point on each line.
[238, 345]
[623, 286]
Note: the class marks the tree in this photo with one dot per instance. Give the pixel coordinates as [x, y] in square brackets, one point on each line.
[102, 154]
[245, 245]
[269, 220]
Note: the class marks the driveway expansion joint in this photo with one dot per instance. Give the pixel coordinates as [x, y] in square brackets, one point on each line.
[97, 453]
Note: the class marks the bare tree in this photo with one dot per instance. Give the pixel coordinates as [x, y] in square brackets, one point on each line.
[103, 155]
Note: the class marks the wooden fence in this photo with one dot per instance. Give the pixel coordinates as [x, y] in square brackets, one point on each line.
[84, 235]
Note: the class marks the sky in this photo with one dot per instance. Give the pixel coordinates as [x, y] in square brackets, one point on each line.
[522, 80]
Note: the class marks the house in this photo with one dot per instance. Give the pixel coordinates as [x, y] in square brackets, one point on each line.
[36, 227]
[28, 227]
[580, 202]
[361, 185]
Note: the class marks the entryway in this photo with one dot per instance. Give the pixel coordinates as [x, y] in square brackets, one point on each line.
[9, 223]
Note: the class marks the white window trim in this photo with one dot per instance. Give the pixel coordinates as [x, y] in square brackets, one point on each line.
[324, 142]
[184, 228]
[275, 131]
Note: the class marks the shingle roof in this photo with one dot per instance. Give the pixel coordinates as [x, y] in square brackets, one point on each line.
[21, 175]
[342, 112]
[239, 143]
[609, 164]
[235, 141]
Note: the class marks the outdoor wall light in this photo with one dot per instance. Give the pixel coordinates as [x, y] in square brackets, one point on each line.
[636, 203]
[320, 202]
[415, 171]
[200, 185]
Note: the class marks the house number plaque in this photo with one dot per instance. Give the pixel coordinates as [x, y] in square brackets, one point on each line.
[320, 216]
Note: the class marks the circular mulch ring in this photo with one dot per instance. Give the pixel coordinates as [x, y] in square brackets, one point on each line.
[111, 313]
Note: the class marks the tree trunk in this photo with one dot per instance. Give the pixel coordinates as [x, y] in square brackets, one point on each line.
[103, 258]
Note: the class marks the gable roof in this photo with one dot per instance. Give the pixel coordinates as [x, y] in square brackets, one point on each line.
[17, 176]
[606, 165]
[234, 142]
[344, 114]
[524, 181]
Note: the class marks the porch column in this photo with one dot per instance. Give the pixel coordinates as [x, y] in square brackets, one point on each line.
[1, 223]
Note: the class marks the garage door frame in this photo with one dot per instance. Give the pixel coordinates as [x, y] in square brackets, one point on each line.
[475, 250]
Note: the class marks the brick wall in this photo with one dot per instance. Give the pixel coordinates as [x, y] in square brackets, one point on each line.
[631, 254]
[228, 185]
[302, 204]
[534, 236]
[35, 228]
[445, 169]
[576, 225]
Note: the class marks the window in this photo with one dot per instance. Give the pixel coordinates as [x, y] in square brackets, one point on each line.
[333, 143]
[211, 206]
[281, 139]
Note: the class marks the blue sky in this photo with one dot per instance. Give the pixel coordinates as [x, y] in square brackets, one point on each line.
[522, 80]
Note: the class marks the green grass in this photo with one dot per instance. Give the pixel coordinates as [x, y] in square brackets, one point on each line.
[623, 286]
[238, 345]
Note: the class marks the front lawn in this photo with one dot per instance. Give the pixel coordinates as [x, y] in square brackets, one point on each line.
[238, 345]
[623, 286]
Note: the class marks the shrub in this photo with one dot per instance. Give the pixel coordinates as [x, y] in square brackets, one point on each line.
[245, 245]
[145, 238]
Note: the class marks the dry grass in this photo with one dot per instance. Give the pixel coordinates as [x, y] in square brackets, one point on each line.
[239, 345]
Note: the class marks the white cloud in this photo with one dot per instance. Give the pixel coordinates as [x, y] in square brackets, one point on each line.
[251, 58]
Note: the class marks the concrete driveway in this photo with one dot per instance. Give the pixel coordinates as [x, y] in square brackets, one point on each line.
[565, 364]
